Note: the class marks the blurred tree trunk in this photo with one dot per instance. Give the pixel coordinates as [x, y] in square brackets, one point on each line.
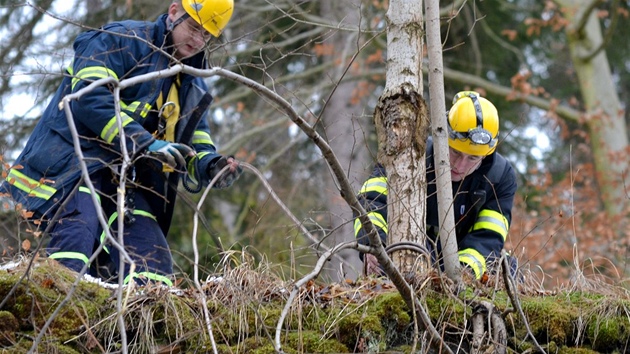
[402, 124]
[604, 113]
[439, 131]
[345, 129]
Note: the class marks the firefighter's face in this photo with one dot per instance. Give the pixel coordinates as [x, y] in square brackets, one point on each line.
[462, 164]
[189, 38]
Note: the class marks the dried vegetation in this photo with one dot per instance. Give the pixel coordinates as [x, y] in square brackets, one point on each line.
[245, 303]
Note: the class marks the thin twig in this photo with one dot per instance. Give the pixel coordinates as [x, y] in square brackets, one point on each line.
[510, 287]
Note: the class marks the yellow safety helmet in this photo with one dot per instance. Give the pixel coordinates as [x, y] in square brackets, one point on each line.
[213, 15]
[473, 124]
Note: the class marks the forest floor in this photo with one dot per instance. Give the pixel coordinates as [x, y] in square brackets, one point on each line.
[247, 309]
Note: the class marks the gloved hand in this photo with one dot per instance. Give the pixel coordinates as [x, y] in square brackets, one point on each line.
[229, 176]
[371, 266]
[172, 154]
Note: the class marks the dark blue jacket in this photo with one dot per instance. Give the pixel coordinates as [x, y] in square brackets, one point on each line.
[48, 168]
[482, 207]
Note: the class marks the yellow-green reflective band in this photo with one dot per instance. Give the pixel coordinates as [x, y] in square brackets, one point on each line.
[474, 260]
[192, 165]
[110, 131]
[114, 216]
[70, 255]
[200, 155]
[190, 168]
[492, 220]
[377, 184]
[145, 214]
[376, 219]
[93, 73]
[133, 107]
[111, 220]
[70, 67]
[201, 137]
[149, 275]
[85, 189]
[29, 185]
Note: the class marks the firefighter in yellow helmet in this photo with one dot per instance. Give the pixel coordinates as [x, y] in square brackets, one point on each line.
[193, 23]
[484, 185]
[473, 124]
[164, 128]
[213, 15]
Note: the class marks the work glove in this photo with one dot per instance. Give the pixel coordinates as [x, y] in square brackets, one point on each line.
[229, 176]
[172, 154]
[371, 267]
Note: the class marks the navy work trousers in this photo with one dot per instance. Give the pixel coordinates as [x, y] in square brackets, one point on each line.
[78, 233]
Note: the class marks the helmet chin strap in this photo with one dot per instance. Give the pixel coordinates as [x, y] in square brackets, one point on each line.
[175, 23]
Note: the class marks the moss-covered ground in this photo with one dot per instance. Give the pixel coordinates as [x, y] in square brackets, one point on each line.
[245, 305]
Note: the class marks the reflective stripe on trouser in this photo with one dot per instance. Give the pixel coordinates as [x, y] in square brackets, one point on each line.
[74, 236]
[146, 245]
[77, 236]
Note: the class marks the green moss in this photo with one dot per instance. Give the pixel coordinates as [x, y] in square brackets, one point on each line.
[608, 333]
[312, 342]
[361, 326]
[295, 342]
[550, 319]
[379, 322]
[24, 345]
[446, 308]
[573, 350]
[392, 308]
[8, 328]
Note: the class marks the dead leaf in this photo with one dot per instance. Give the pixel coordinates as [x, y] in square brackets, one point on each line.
[26, 245]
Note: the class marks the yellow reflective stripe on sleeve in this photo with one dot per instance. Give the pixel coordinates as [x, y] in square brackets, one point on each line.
[376, 219]
[200, 155]
[110, 131]
[376, 184]
[492, 220]
[134, 106]
[32, 187]
[201, 137]
[93, 73]
[149, 275]
[357, 227]
[474, 260]
[192, 165]
[70, 255]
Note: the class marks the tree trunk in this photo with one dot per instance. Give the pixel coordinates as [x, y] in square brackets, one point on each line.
[402, 125]
[605, 115]
[448, 238]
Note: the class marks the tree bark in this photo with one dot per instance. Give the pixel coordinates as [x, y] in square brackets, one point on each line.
[439, 130]
[402, 127]
[604, 113]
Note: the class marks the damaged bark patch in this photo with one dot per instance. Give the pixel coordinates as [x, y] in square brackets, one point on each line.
[401, 121]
